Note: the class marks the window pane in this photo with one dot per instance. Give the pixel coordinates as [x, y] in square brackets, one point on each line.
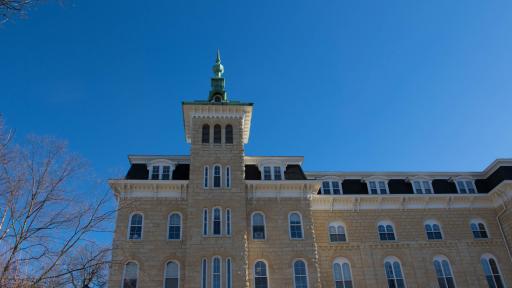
[216, 134]
[216, 176]
[206, 134]
[326, 188]
[336, 188]
[277, 173]
[267, 173]
[229, 134]
[155, 172]
[228, 177]
[166, 172]
[206, 177]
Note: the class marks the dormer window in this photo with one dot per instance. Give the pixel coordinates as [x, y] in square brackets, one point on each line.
[331, 187]
[376, 187]
[155, 173]
[422, 186]
[160, 169]
[166, 172]
[465, 186]
[272, 173]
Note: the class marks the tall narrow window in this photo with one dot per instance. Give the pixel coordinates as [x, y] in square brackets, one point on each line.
[228, 221]
[422, 187]
[277, 173]
[174, 226]
[300, 274]
[206, 177]
[295, 226]
[217, 222]
[229, 134]
[260, 275]
[337, 232]
[135, 231]
[130, 275]
[155, 173]
[229, 280]
[342, 273]
[216, 134]
[204, 273]
[205, 221]
[267, 173]
[491, 271]
[216, 176]
[206, 134]
[394, 273]
[466, 186]
[443, 272]
[216, 272]
[433, 230]
[172, 275]
[166, 172]
[228, 177]
[258, 226]
[386, 231]
[478, 229]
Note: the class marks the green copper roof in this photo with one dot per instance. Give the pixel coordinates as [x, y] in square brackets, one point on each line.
[218, 92]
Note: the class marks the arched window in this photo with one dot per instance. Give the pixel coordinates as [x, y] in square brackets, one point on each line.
[443, 272]
[228, 177]
[130, 275]
[205, 221]
[174, 226]
[258, 226]
[206, 134]
[217, 221]
[260, 275]
[433, 230]
[216, 176]
[300, 274]
[342, 273]
[228, 221]
[135, 231]
[172, 275]
[386, 231]
[216, 270]
[295, 222]
[479, 229]
[394, 274]
[337, 232]
[204, 273]
[206, 177]
[217, 134]
[229, 134]
[491, 271]
[229, 280]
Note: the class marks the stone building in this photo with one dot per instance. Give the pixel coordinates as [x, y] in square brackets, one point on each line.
[218, 218]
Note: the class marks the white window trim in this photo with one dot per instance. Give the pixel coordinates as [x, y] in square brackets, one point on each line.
[477, 221]
[387, 222]
[160, 163]
[395, 259]
[271, 164]
[165, 270]
[206, 176]
[464, 179]
[205, 211]
[220, 270]
[130, 225]
[228, 223]
[336, 224]
[204, 273]
[229, 280]
[341, 261]
[227, 178]
[377, 179]
[442, 258]
[290, 226]
[264, 226]
[266, 270]
[330, 180]
[213, 221]
[213, 176]
[124, 272]
[169, 225]
[432, 222]
[421, 180]
[487, 257]
[307, 271]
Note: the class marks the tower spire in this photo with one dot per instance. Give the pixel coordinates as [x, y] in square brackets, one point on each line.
[217, 92]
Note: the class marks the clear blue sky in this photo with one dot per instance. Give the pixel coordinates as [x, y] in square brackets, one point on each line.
[350, 85]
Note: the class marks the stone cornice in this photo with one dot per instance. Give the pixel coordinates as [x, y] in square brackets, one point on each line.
[282, 189]
[172, 189]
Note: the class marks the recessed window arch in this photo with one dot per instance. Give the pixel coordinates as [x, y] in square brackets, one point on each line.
[136, 222]
[295, 227]
[377, 185]
[300, 274]
[492, 271]
[337, 232]
[174, 228]
[444, 272]
[422, 185]
[206, 134]
[465, 185]
[217, 176]
[479, 229]
[260, 274]
[172, 274]
[130, 275]
[393, 270]
[331, 186]
[216, 272]
[342, 273]
[258, 226]
[217, 134]
[229, 134]
[386, 230]
[433, 230]
[217, 221]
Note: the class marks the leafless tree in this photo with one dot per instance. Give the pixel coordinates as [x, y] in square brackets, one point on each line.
[12, 8]
[48, 224]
